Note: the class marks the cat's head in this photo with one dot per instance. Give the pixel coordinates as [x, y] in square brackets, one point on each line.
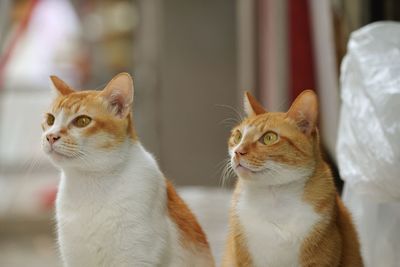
[89, 130]
[276, 148]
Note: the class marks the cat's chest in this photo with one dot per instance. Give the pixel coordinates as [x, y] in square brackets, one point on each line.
[117, 219]
[101, 229]
[275, 227]
[79, 227]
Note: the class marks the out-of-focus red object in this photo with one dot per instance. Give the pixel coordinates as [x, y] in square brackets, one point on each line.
[301, 48]
[14, 41]
[48, 197]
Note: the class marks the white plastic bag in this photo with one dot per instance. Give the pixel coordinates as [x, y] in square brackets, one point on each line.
[369, 130]
[368, 146]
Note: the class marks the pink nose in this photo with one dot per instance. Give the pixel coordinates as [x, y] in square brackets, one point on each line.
[240, 151]
[52, 138]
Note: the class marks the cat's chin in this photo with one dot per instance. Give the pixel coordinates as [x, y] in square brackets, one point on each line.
[244, 171]
[59, 156]
[272, 177]
[247, 173]
[59, 159]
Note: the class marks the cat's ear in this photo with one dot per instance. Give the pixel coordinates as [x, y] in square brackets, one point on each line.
[304, 111]
[60, 86]
[119, 94]
[252, 106]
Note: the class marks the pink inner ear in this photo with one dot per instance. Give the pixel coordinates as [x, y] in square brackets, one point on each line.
[304, 111]
[117, 102]
[304, 125]
[119, 94]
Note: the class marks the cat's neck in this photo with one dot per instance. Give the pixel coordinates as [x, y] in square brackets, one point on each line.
[254, 189]
[279, 177]
[131, 158]
[139, 178]
[317, 179]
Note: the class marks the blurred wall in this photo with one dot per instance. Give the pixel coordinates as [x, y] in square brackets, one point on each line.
[197, 73]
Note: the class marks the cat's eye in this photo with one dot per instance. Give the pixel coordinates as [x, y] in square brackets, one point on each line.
[50, 119]
[237, 136]
[269, 138]
[82, 121]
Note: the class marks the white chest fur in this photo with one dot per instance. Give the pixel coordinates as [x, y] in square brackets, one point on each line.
[116, 219]
[275, 221]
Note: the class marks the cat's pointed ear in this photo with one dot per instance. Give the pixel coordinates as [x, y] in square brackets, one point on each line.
[119, 94]
[304, 111]
[252, 106]
[60, 86]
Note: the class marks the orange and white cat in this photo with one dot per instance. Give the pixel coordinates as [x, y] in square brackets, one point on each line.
[285, 209]
[114, 206]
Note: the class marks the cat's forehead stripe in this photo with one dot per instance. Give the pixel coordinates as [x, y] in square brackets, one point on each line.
[73, 102]
[258, 123]
[265, 121]
[260, 120]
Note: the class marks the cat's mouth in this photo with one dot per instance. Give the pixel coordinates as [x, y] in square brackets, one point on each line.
[243, 169]
[58, 155]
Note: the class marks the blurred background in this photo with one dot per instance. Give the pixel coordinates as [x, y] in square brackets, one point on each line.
[191, 61]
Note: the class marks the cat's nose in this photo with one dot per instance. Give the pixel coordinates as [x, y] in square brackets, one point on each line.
[240, 151]
[52, 138]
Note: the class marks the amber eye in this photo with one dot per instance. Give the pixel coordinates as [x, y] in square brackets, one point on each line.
[50, 119]
[269, 138]
[237, 136]
[82, 121]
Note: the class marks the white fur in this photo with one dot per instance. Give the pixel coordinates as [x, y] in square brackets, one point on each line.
[119, 218]
[275, 219]
[111, 207]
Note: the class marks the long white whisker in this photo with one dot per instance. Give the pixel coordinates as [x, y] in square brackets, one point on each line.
[227, 173]
[238, 115]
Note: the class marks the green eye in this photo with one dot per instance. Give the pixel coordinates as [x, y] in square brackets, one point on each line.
[50, 119]
[82, 121]
[269, 138]
[237, 136]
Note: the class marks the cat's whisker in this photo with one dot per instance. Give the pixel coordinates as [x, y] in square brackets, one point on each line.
[237, 114]
[222, 164]
[111, 188]
[83, 158]
[231, 174]
[32, 163]
[220, 169]
[229, 122]
[227, 173]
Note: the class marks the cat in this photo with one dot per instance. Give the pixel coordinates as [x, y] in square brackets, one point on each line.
[285, 209]
[114, 207]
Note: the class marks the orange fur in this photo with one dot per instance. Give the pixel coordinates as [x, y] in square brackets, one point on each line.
[89, 102]
[184, 219]
[104, 120]
[333, 240]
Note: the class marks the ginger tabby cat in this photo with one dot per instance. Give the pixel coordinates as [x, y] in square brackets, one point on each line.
[114, 206]
[285, 209]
